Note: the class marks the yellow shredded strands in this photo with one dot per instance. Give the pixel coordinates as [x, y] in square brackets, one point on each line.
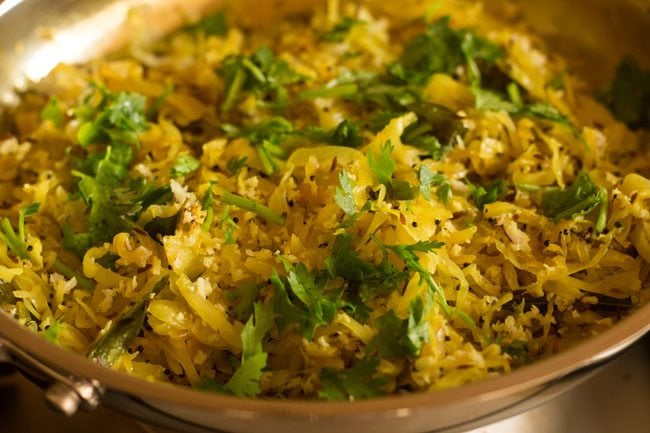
[505, 284]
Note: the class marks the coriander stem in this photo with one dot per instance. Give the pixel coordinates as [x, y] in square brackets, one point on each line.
[337, 91]
[253, 206]
[68, 272]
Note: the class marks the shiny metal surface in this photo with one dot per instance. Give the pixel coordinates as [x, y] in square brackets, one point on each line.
[36, 34]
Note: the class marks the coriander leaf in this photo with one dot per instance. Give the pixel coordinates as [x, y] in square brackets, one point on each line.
[110, 345]
[211, 25]
[359, 381]
[628, 96]
[399, 189]
[209, 384]
[228, 225]
[235, 164]
[581, 197]
[475, 48]
[185, 164]
[53, 112]
[162, 226]
[490, 100]
[108, 261]
[346, 262]
[399, 338]
[287, 312]
[426, 177]
[444, 193]
[244, 295]
[518, 351]
[438, 49]
[245, 381]
[364, 279]
[489, 193]
[346, 133]
[383, 164]
[340, 30]
[254, 332]
[407, 253]
[51, 333]
[543, 110]
[122, 120]
[106, 218]
[206, 205]
[443, 49]
[344, 195]
[321, 310]
[316, 309]
[261, 74]
[267, 137]
[436, 130]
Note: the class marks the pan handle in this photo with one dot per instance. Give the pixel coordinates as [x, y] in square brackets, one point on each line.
[64, 393]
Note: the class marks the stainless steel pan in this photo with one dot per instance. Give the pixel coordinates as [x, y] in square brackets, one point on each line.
[36, 34]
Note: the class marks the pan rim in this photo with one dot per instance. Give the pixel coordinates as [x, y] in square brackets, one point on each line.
[553, 368]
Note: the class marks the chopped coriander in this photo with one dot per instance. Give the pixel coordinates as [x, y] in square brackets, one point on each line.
[344, 195]
[442, 49]
[399, 189]
[185, 164]
[489, 193]
[234, 164]
[426, 177]
[346, 133]
[267, 137]
[359, 381]
[252, 206]
[228, 225]
[518, 351]
[383, 164]
[366, 279]
[121, 121]
[53, 112]
[206, 205]
[314, 308]
[51, 333]
[245, 295]
[245, 381]
[108, 261]
[436, 131]
[110, 345]
[162, 226]
[401, 337]
[580, 198]
[261, 74]
[407, 253]
[340, 30]
[215, 24]
[444, 193]
[628, 96]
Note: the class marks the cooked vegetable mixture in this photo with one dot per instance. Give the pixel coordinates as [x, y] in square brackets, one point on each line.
[346, 205]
